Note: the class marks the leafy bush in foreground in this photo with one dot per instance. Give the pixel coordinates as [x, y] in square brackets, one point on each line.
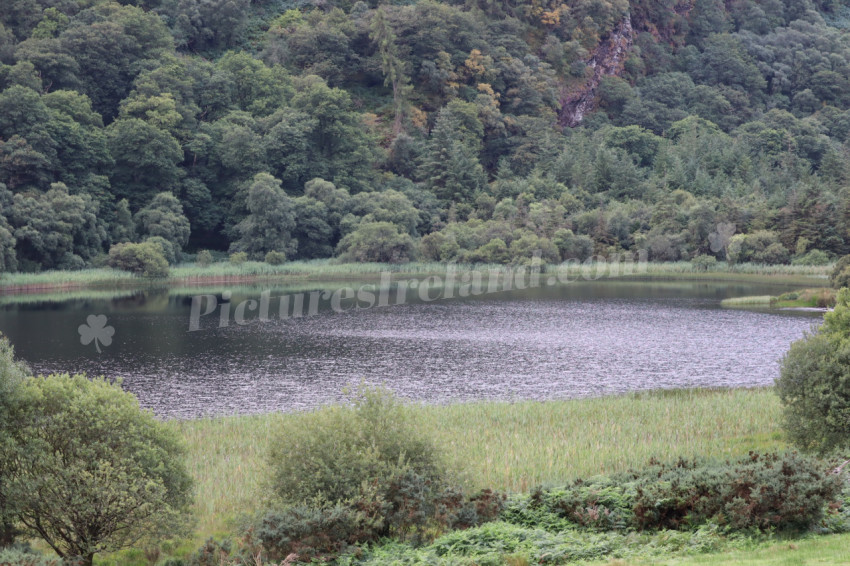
[782, 491]
[145, 259]
[814, 383]
[347, 475]
[91, 471]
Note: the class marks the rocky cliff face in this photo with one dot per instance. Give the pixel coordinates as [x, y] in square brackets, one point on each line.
[607, 60]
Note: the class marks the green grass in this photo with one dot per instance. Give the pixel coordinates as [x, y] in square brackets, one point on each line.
[831, 549]
[329, 270]
[508, 446]
[820, 297]
[759, 301]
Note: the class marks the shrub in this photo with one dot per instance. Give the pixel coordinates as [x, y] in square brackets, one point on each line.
[704, 262]
[377, 241]
[92, 471]
[12, 376]
[168, 250]
[353, 474]
[144, 259]
[783, 491]
[16, 557]
[813, 257]
[238, 258]
[840, 276]
[315, 533]
[204, 258]
[814, 383]
[275, 258]
[329, 453]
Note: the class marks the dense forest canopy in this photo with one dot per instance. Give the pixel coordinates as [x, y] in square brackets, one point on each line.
[424, 129]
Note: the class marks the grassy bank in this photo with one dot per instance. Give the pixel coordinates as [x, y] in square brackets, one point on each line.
[328, 270]
[508, 446]
[818, 298]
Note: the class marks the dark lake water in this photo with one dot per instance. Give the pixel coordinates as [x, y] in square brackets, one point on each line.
[575, 340]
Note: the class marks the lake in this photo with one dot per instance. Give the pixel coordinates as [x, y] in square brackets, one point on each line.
[551, 342]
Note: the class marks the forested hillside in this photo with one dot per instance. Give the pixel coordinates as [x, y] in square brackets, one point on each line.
[476, 131]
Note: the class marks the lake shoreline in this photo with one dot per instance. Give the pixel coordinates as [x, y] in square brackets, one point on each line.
[187, 275]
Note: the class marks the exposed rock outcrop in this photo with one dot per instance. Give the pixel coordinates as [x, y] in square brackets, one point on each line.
[607, 59]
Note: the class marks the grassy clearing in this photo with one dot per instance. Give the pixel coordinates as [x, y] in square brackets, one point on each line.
[508, 446]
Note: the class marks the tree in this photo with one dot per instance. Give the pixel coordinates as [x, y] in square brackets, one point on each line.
[92, 471]
[56, 229]
[270, 222]
[377, 241]
[146, 160]
[12, 375]
[163, 217]
[814, 383]
[392, 65]
[450, 166]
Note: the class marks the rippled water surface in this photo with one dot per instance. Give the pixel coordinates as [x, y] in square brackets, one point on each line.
[574, 340]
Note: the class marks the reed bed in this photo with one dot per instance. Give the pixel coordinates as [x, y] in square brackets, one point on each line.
[760, 300]
[328, 270]
[507, 446]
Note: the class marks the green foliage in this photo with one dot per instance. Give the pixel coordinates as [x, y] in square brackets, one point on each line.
[704, 262]
[15, 557]
[92, 472]
[145, 259]
[763, 491]
[238, 258]
[331, 455]
[425, 115]
[760, 491]
[840, 276]
[812, 257]
[275, 258]
[165, 247]
[204, 258]
[377, 241]
[12, 376]
[271, 219]
[353, 474]
[163, 217]
[813, 383]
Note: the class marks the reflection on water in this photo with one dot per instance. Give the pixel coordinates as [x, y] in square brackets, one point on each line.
[574, 340]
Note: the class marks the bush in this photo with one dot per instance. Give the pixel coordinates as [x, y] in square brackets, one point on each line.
[15, 557]
[351, 474]
[92, 472]
[12, 376]
[377, 241]
[704, 262]
[782, 491]
[144, 259]
[814, 383]
[840, 276]
[315, 533]
[328, 454]
[813, 257]
[275, 258]
[204, 258]
[168, 250]
[238, 258]
[785, 491]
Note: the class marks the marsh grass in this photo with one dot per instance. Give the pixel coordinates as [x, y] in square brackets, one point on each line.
[761, 301]
[506, 446]
[330, 270]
